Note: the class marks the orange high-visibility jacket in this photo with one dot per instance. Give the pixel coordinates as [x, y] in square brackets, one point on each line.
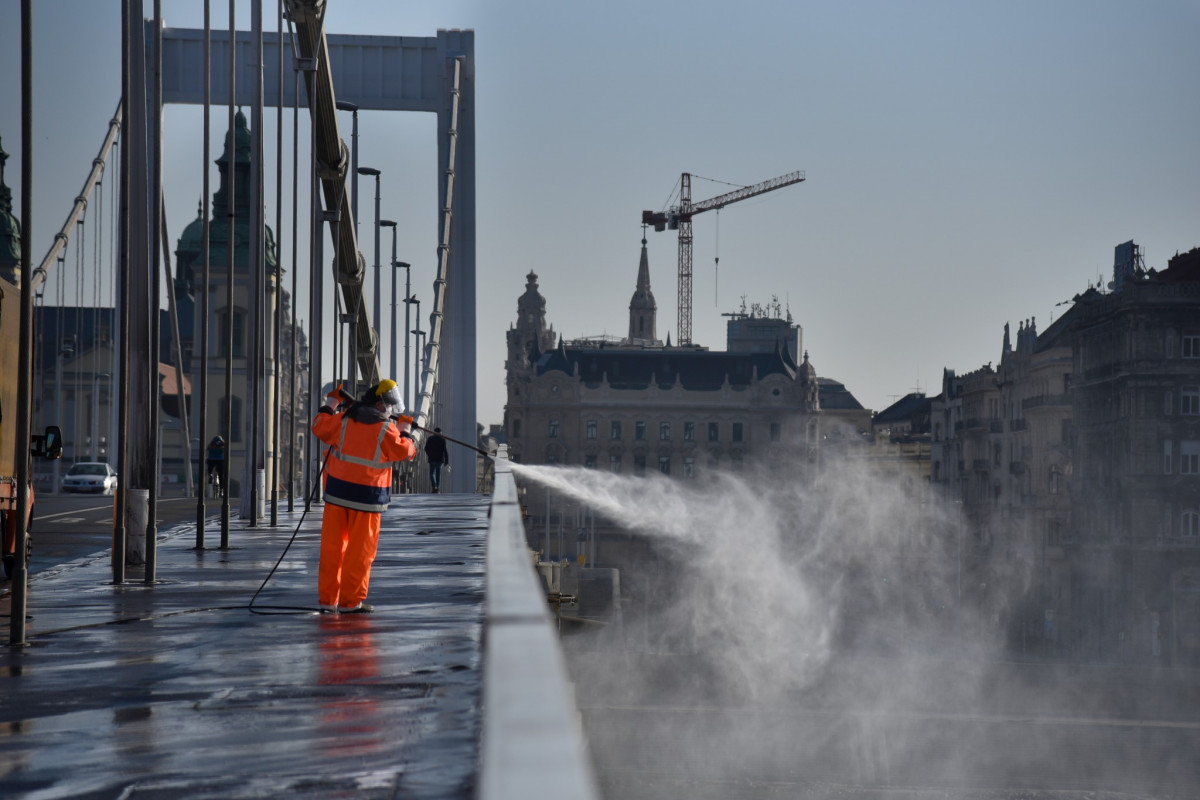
[359, 471]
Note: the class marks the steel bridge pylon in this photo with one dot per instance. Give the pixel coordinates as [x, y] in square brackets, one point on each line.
[381, 73]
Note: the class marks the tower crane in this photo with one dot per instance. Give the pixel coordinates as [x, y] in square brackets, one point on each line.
[680, 218]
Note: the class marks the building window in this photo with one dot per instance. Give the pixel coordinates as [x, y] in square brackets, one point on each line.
[592, 429]
[1054, 533]
[1055, 480]
[553, 432]
[737, 431]
[664, 431]
[1168, 458]
[1191, 344]
[614, 465]
[639, 431]
[639, 465]
[689, 467]
[714, 431]
[1167, 404]
[589, 462]
[997, 454]
[516, 428]
[1189, 401]
[1189, 523]
[775, 430]
[1189, 458]
[615, 431]
[689, 431]
[664, 465]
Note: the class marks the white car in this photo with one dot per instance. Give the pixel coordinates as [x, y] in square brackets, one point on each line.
[90, 476]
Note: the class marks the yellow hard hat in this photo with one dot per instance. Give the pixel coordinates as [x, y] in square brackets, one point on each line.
[386, 392]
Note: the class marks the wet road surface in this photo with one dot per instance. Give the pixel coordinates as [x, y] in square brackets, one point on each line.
[178, 690]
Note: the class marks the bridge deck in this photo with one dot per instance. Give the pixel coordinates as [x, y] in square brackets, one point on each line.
[178, 690]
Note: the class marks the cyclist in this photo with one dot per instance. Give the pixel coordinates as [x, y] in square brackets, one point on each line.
[216, 463]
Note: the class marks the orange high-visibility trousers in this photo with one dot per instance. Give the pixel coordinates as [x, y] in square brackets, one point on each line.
[349, 539]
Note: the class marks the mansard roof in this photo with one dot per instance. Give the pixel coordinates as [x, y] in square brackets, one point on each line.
[835, 396]
[905, 409]
[637, 368]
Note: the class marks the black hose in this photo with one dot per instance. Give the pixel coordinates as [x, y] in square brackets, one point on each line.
[280, 610]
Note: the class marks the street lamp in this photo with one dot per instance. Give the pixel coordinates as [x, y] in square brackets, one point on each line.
[417, 332]
[387, 223]
[374, 173]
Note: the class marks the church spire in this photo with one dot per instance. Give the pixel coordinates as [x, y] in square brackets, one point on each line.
[642, 308]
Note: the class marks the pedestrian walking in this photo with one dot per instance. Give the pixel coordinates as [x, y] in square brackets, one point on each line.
[364, 440]
[437, 455]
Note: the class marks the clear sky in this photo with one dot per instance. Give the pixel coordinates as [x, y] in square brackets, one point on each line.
[968, 164]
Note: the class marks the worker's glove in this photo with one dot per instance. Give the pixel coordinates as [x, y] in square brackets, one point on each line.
[334, 398]
[404, 423]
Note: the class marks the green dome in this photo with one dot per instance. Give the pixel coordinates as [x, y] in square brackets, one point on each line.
[192, 239]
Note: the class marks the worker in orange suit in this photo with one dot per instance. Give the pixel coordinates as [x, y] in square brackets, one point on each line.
[364, 440]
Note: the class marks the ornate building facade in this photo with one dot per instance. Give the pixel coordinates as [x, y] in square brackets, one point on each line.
[636, 405]
[1077, 467]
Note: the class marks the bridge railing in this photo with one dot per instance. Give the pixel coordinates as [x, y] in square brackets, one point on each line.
[533, 744]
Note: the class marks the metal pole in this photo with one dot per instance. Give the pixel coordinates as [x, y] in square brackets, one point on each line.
[202, 425]
[387, 223]
[123, 256]
[274, 465]
[294, 349]
[25, 359]
[230, 231]
[408, 398]
[258, 290]
[155, 317]
[178, 347]
[375, 310]
[58, 365]
[378, 287]
[314, 309]
[417, 361]
[353, 169]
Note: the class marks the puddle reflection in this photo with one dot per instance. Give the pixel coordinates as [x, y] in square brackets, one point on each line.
[350, 720]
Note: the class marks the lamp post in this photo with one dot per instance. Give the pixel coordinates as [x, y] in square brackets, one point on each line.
[417, 333]
[375, 311]
[387, 223]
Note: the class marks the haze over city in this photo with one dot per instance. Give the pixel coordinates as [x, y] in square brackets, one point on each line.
[966, 166]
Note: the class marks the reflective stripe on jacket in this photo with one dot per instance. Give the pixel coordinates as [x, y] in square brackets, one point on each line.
[359, 471]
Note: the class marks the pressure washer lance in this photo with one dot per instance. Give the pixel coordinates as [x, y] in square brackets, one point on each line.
[346, 396]
[479, 450]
